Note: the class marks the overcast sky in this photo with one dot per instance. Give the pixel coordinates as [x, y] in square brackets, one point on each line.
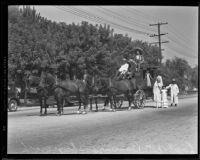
[182, 27]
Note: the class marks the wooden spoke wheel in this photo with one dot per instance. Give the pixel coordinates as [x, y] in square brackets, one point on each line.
[139, 99]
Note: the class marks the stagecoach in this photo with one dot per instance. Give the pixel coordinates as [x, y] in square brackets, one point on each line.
[138, 91]
[143, 92]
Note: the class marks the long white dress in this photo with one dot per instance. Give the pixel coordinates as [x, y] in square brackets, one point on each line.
[148, 80]
[157, 92]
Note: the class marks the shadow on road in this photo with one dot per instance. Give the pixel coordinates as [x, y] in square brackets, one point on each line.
[149, 107]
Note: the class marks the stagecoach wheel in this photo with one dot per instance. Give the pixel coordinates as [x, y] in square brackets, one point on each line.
[12, 106]
[139, 99]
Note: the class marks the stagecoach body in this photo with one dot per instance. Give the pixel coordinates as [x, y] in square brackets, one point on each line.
[142, 92]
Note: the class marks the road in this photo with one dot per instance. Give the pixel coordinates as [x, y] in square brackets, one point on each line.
[139, 131]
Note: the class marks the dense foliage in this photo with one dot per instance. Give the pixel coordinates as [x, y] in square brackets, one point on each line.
[35, 43]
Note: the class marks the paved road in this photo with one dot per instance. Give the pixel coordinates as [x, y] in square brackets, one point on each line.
[155, 131]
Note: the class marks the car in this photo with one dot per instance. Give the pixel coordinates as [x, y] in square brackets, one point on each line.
[16, 98]
[13, 98]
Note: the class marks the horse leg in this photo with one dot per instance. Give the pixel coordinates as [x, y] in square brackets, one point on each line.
[79, 108]
[45, 105]
[129, 101]
[85, 104]
[96, 103]
[57, 101]
[63, 104]
[90, 104]
[105, 103]
[59, 105]
[114, 101]
[111, 103]
[40, 99]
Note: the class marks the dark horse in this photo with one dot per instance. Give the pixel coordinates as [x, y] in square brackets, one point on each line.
[113, 87]
[78, 88]
[44, 86]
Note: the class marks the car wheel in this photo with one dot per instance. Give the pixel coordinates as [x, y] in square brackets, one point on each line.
[12, 106]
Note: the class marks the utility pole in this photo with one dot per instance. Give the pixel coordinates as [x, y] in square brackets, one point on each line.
[159, 36]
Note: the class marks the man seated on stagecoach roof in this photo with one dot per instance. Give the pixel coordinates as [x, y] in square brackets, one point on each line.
[139, 59]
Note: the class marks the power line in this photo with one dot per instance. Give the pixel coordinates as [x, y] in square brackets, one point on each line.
[179, 52]
[180, 44]
[176, 34]
[126, 19]
[148, 17]
[98, 19]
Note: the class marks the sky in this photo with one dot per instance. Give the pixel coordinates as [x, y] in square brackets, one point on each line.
[181, 27]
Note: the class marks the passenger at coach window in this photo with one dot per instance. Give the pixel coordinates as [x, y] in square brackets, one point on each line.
[157, 91]
[148, 78]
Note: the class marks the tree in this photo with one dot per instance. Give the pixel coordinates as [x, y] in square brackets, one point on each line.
[35, 43]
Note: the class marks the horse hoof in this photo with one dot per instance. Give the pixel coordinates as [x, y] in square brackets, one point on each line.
[58, 114]
[84, 112]
[78, 112]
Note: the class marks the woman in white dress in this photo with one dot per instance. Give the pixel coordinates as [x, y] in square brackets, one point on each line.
[148, 78]
[157, 91]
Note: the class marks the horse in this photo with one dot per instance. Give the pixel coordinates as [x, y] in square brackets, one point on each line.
[114, 86]
[44, 86]
[95, 89]
[79, 88]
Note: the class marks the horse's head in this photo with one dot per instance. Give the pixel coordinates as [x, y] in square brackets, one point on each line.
[101, 84]
[33, 80]
[47, 80]
[50, 79]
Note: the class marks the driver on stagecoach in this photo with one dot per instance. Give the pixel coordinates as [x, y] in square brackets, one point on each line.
[123, 70]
